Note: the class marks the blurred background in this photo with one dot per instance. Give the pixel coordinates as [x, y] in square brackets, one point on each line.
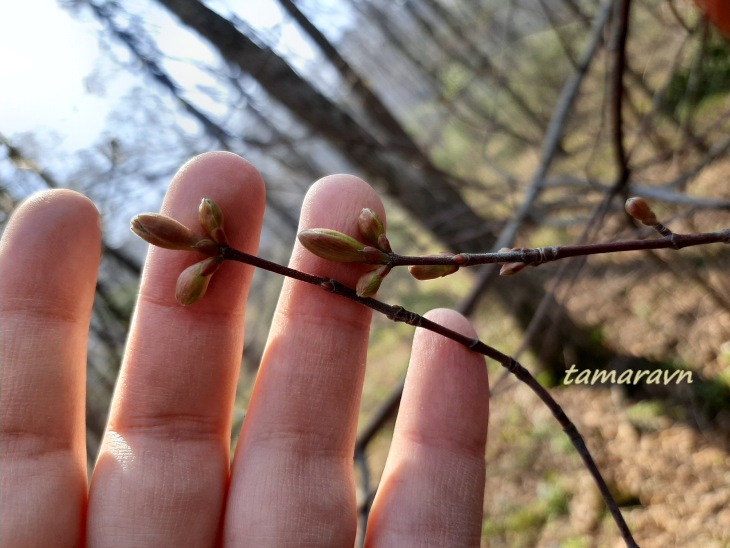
[484, 124]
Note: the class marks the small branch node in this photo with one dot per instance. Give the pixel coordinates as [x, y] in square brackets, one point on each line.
[664, 231]
[328, 285]
[512, 366]
[400, 314]
[547, 254]
[461, 259]
[673, 239]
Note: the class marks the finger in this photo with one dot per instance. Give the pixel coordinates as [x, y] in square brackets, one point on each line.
[49, 257]
[432, 488]
[292, 479]
[161, 475]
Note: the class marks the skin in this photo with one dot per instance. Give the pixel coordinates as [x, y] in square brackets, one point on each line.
[163, 477]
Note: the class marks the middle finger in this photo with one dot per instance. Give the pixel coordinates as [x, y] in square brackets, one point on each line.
[292, 479]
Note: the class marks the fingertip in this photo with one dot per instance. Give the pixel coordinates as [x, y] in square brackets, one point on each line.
[335, 202]
[229, 180]
[454, 380]
[238, 188]
[52, 239]
[50, 210]
[339, 192]
[453, 320]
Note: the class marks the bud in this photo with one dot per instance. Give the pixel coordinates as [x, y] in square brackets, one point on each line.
[639, 209]
[431, 272]
[210, 217]
[193, 281]
[372, 229]
[162, 231]
[510, 269]
[369, 283]
[339, 247]
[384, 244]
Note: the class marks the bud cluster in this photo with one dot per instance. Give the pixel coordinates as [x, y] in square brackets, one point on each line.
[163, 231]
[339, 247]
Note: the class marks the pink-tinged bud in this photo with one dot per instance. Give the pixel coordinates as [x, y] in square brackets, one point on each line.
[369, 283]
[431, 272]
[372, 229]
[163, 231]
[193, 281]
[336, 246]
[372, 255]
[639, 209]
[384, 244]
[510, 269]
[210, 217]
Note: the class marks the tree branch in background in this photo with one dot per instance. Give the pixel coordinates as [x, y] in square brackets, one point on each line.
[621, 33]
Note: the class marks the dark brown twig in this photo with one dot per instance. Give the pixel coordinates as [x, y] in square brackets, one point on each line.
[540, 255]
[400, 314]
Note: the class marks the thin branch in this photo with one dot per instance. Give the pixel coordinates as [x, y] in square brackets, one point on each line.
[663, 194]
[399, 314]
[540, 255]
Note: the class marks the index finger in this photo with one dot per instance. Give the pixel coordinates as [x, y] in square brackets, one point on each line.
[162, 472]
[49, 256]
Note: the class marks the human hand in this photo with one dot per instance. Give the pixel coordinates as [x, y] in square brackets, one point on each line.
[163, 476]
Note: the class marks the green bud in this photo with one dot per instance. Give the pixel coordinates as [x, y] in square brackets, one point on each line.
[336, 246]
[163, 231]
[210, 217]
[372, 229]
[639, 209]
[433, 271]
[369, 283]
[193, 281]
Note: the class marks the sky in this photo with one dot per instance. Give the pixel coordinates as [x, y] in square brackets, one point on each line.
[52, 81]
[44, 63]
